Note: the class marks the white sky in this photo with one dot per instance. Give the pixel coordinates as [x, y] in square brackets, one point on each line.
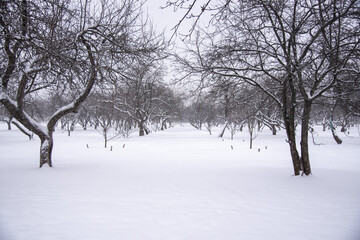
[167, 18]
[163, 19]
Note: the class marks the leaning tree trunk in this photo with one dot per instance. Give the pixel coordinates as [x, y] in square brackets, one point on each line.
[333, 131]
[47, 142]
[305, 160]
[223, 130]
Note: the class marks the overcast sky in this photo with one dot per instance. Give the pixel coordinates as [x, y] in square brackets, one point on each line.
[163, 19]
[166, 19]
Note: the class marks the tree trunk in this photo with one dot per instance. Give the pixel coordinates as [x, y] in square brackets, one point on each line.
[63, 124]
[208, 127]
[223, 130]
[335, 136]
[9, 124]
[273, 129]
[16, 108]
[293, 149]
[68, 129]
[343, 128]
[251, 128]
[147, 130]
[305, 161]
[333, 131]
[288, 110]
[251, 140]
[46, 150]
[163, 125]
[141, 129]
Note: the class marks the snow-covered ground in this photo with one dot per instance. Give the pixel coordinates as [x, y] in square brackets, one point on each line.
[178, 184]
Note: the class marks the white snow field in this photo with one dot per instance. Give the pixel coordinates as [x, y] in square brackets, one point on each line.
[177, 184]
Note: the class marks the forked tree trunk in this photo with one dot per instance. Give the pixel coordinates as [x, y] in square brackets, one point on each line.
[8, 124]
[16, 107]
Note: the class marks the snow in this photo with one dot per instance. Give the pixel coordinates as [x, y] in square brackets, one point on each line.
[4, 96]
[177, 184]
[37, 125]
[64, 108]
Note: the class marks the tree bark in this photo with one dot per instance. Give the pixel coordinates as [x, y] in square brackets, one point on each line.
[288, 109]
[68, 129]
[46, 148]
[305, 160]
[333, 131]
[8, 124]
[273, 129]
[141, 129]
[293, 149]
[223, 130]
[251, 140]
[45, 135]
[146, 129]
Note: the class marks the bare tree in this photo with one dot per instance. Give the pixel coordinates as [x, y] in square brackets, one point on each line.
[139, 94]
[203, 113]
[104, 118]
[166, 106]
[48, 45]
[294, 51]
